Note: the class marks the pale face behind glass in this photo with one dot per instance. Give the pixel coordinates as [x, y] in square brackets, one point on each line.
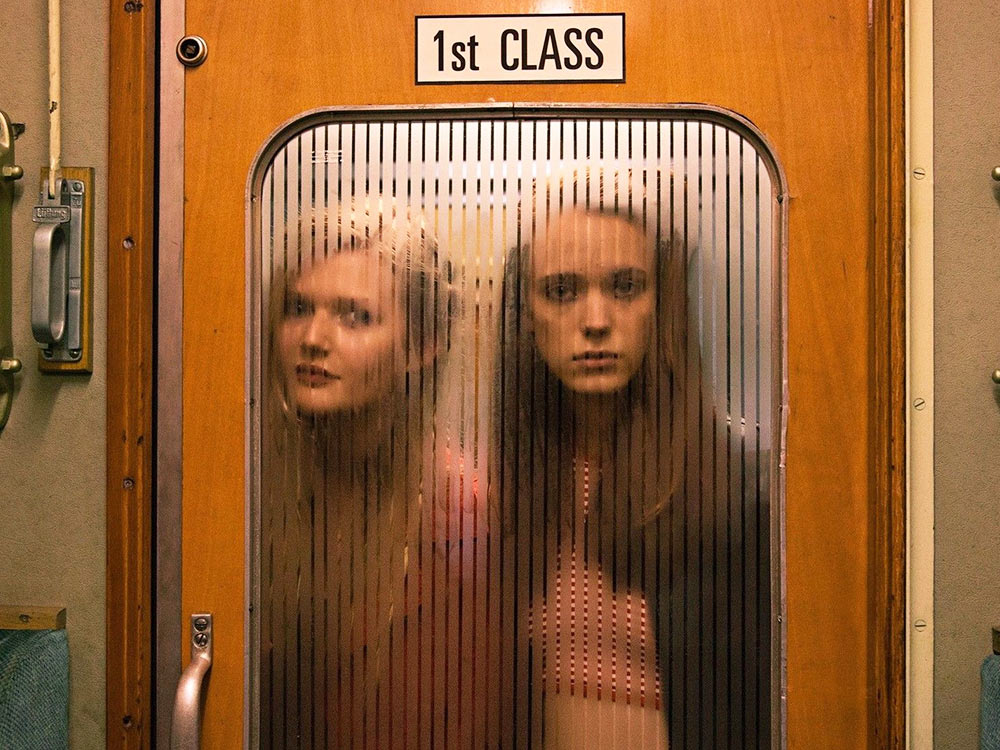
[591, 300]
[341, 335]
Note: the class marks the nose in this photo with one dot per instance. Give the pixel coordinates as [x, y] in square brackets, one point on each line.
[596, 316]
[316, 338]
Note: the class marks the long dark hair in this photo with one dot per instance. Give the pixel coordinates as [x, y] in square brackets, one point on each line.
[641, 469]
[531, 407]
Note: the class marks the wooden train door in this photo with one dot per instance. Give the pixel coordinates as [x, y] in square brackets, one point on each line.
[787, 97]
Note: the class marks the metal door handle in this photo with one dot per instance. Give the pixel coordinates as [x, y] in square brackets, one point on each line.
[57, 270]
[9, 171]
[185, 727]
[49, 268]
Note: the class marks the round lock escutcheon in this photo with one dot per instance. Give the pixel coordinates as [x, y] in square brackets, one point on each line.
[192, 51]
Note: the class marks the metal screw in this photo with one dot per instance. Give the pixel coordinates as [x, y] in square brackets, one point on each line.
[128, 243]
[201, 624]
[74, 353]
[919, 403]
[919, 173]
[201, 640]
[920, 625]
[128, 483]
[996, 377]
[127, 720]
[996, 173]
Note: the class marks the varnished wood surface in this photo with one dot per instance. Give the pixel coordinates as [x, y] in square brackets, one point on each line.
[14, 617]
[804, 76]
[131, 140]
[888, 524]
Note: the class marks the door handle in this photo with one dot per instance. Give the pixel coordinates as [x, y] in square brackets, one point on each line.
[48, 284]
[57, 270]
[9, 171]
[185, 727]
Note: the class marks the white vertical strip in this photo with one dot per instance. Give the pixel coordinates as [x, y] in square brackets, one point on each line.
[55, 105]
[920, 373]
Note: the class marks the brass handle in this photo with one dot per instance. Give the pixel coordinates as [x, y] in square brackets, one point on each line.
[185, 727]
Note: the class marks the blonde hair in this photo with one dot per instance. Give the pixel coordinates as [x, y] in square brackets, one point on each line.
[298, 449]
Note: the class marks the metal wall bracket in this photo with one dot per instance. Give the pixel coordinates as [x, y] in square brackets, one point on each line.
[62, 270]
[9, 172]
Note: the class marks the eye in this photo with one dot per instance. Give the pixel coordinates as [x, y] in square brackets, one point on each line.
[297, 307]
[561, 289]
[627, 284]
[358, 317]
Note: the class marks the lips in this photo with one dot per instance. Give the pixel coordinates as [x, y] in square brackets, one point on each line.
[314, 375]
[596, 359]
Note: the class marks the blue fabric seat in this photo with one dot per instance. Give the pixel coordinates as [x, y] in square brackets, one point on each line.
[34, 690]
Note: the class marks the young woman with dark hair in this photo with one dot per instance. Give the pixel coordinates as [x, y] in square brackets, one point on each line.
[593, 374]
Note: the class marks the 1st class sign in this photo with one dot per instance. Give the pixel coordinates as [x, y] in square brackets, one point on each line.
[563, 48]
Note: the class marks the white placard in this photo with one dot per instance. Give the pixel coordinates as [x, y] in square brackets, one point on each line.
[556, 48]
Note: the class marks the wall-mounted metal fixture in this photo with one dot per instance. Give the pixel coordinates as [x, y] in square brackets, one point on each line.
[996, 173]
[62, 268]
[192, 51]
[9, 172]
[996, 376]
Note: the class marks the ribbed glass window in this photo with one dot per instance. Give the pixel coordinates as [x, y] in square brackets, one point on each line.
[516, 475]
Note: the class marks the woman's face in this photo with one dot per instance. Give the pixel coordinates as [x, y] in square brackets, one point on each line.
[341, 335]
[591, 300]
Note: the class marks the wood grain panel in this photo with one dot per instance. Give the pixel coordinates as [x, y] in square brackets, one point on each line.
[32, 618]
[131, 140]
[805, 77]
[888, 601]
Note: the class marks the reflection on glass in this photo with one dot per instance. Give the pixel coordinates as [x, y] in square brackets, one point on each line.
[515, 476]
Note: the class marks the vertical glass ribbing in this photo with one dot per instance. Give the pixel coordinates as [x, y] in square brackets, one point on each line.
[518, 382]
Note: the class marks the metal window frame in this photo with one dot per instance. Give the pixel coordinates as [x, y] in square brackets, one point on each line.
[520, 111]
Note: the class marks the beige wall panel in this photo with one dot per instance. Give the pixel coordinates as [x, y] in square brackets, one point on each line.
[52, 451]
[967, 350]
